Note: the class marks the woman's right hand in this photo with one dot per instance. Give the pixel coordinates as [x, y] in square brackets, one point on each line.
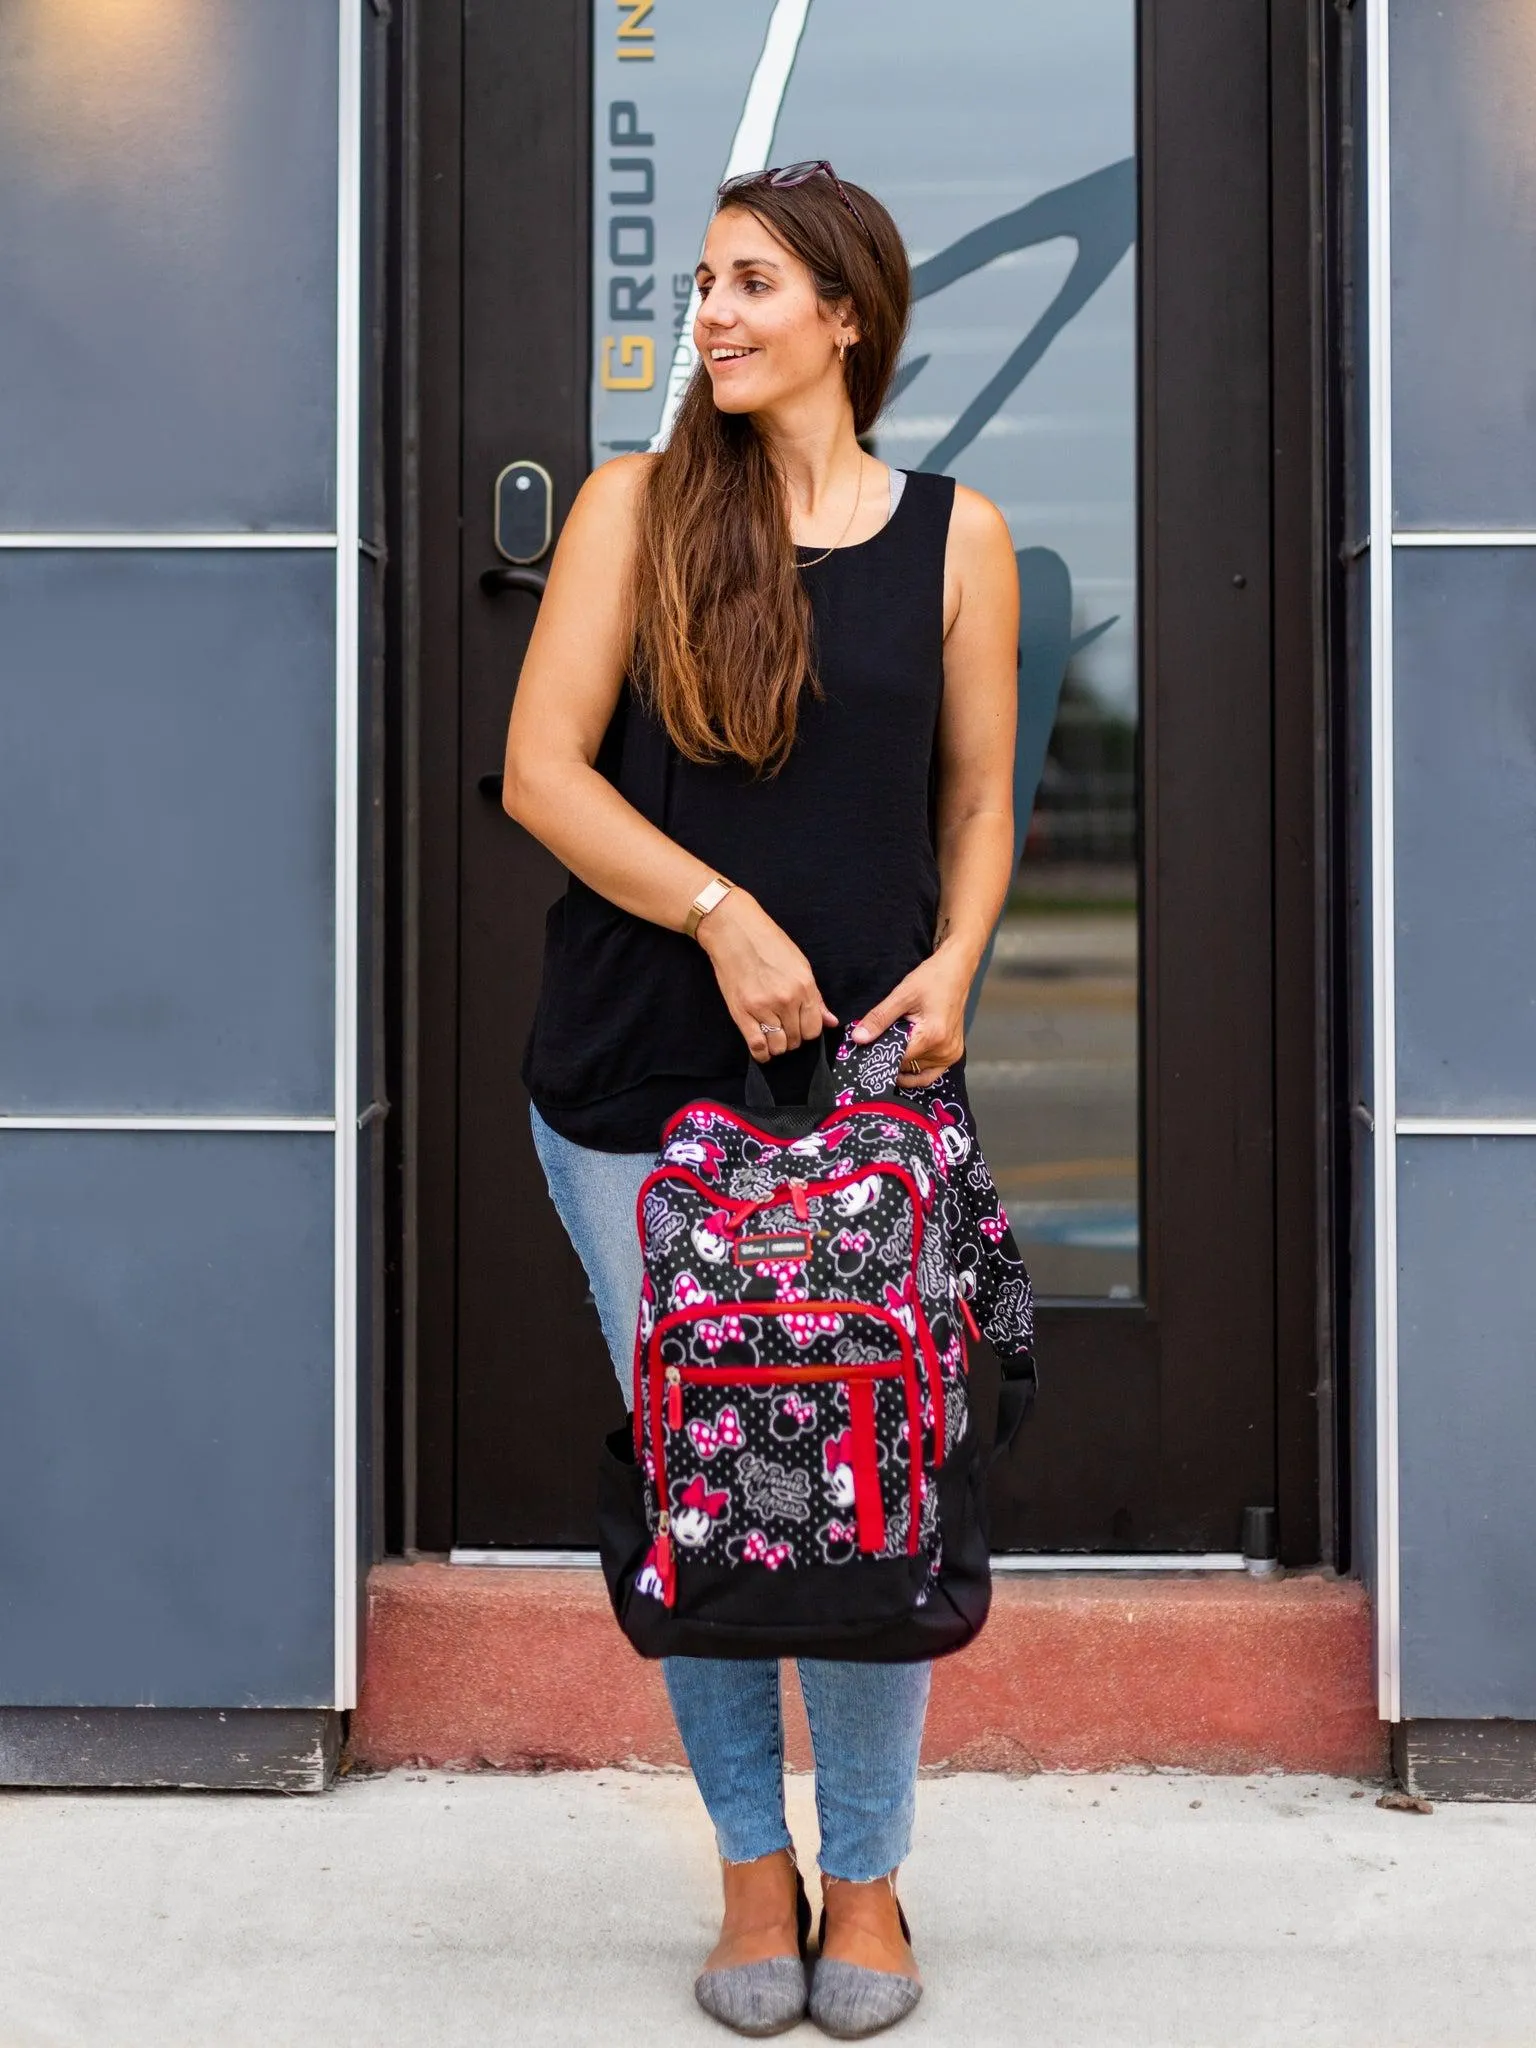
[765, 978]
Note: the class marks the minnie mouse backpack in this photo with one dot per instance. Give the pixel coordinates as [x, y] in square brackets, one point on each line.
[802, 1475]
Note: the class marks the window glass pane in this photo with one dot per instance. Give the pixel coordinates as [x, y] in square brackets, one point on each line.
[168, 786]
[1002, 136]
[168, 217]
[1464, 756]
[167, 1461]
[1463, 264]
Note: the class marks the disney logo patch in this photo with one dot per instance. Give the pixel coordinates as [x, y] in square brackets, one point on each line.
[770, 1247]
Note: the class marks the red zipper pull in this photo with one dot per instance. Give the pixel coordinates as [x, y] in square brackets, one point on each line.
[798, 1202]
[674, 1398]
[970, 1317]
[666, 1569]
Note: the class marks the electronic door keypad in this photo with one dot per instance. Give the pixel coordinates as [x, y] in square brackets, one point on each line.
[523, 516]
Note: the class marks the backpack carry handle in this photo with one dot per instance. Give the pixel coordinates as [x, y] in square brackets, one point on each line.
[871, 1069]
[1015, 1398]
[819, 1095]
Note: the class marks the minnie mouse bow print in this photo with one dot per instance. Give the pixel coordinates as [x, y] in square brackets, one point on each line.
[696, 1494]
[756, 1549]
[725, 1433]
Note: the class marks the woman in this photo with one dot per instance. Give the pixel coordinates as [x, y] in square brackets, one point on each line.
[766, 720]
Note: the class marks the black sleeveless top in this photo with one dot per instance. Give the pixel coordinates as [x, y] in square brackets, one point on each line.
[838, 847]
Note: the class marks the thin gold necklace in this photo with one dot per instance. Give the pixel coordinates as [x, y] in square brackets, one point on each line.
[857, 494]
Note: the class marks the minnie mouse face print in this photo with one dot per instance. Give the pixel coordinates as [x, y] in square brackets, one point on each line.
[858, 1196]
[702, 1154]
[709, 1245]
[837, 1453]
[953, 1135]
[697, 1511]
[818, 1144]
[902, 1303]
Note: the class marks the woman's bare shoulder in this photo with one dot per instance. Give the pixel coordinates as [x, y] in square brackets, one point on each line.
[604, 522]
[976, 522]
[613, 490]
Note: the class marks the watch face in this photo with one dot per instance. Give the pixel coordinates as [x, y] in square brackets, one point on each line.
[713, 892]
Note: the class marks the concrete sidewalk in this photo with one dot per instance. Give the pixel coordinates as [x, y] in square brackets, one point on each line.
[443, 1911]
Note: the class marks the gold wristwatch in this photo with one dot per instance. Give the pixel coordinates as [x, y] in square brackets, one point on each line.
[714, 891]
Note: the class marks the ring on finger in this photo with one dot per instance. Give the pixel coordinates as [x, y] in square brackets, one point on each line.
[766, 1028]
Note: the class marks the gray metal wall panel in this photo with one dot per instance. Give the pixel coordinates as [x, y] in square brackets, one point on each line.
[167, 806]
[1467, 1423]
[166, 1464]
[1466, 831]
[167, 209]
[1464, 263]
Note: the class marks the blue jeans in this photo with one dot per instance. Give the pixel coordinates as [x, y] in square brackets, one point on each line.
[866, 1720]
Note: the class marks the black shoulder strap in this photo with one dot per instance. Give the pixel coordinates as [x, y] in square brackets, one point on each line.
[933, 499]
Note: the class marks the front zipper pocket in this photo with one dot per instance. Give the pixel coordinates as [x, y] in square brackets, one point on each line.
[772, 1470]
[731, 1215]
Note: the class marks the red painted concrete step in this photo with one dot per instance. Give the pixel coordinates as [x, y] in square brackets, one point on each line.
[525, 1670]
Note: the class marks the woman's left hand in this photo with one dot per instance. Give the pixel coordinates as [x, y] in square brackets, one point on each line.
[933, 996]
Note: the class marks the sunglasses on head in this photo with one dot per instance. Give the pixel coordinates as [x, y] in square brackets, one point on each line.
[786, 175]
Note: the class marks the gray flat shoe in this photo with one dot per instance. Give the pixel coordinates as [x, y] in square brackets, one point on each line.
[761, 1998]
[755, 1998]
[848, 2001]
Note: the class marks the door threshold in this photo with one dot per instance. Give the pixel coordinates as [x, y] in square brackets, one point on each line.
[529, 1560]
[1094, 1561]
[1012, 1562]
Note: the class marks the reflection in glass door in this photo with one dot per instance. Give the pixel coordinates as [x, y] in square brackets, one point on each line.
[1002, 135]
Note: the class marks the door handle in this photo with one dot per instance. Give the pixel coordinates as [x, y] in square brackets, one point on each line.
[496, 582]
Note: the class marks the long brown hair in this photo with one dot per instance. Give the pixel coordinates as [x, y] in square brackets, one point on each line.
[722, 622]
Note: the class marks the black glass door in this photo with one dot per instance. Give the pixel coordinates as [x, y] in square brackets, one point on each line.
[1085, 192]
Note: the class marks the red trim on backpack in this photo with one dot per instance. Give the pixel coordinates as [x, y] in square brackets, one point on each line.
[882, 1107]
[935, 1373]
[723, 1375]
[826, 1185]
[869, 1508]
[732, 1207]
